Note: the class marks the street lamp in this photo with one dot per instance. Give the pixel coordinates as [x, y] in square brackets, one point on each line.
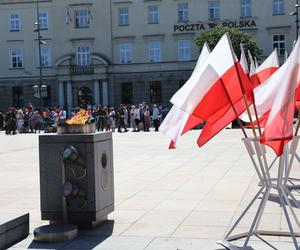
[296, 13]
[40, 88]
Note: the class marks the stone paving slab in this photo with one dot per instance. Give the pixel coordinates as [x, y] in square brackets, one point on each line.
[180, 199]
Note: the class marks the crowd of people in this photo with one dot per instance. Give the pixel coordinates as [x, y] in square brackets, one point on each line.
[135, 118]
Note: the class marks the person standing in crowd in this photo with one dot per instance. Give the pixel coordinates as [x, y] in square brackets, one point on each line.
[1, 121]
[121, 117]
[100, 118]
[142, 121]
[147, 118]
[10, 120]
[137, 118]
[106, 119]
[126, 116]
[132, 121]
[112, 118]
[20, 121]
[155, 117]
[62, 116]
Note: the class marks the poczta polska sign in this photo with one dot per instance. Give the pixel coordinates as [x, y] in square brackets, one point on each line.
[202, 26]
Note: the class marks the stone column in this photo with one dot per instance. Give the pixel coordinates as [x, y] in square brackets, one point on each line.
[96, 93]
[69, 97]
[61, 98]
[105, 99]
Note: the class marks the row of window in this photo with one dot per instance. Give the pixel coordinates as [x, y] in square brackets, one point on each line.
[125, 50]
[82, 17]
[213, 11]
[83, 54]
[154, 51]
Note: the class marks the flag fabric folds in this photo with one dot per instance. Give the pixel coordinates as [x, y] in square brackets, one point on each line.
[266, 69]
[252, 65]
[175, 123]
[215, 93]
[262, 90]
[243, 60]
[283, 83]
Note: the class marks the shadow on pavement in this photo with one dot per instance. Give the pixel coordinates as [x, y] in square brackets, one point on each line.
[87, 239]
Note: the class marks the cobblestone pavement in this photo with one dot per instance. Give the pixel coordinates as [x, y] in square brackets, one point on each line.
[180, 199]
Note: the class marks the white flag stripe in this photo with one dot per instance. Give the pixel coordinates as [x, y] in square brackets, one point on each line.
[286, 81]
[174, 123]
[252, 65]
[243, 60]
[222, 58]
[272, 60]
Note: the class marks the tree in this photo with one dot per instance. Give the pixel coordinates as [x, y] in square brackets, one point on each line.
[237, 37]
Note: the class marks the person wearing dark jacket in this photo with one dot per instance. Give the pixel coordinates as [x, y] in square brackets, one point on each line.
[10, 120]
[1, 121]
[121, 117]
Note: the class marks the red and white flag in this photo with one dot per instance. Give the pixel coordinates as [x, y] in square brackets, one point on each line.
[174, 123]
[216, 95]
[279, 126]
[266, 69]
[263, 90]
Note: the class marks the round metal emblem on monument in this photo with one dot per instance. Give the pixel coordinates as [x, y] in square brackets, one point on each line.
[55, 233]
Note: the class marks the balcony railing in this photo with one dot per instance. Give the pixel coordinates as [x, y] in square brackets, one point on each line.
[82, 70]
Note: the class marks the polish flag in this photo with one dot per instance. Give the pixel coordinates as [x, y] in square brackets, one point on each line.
[266, 69]
[243, 60]
[263, 90]
[216, 94]
[279, 126]
[174, 123]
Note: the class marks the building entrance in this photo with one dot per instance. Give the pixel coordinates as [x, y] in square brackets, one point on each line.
[85, 97]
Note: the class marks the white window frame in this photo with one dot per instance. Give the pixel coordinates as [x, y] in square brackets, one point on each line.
[83, 56]
[43, 19]
[123, 16]
[183, 12]
[154, 51]
[12, 25]
[19, 58]
[125, 53]
[82, 18]
[213, 10]
[184, 50]
[153, 14]
[46, 57]
[277, 43]
[246, 8]
[278, 7]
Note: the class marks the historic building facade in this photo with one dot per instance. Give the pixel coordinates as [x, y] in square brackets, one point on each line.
[119, 51]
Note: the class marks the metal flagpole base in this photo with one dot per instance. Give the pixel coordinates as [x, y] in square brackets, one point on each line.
[55, 233]
[268, 184]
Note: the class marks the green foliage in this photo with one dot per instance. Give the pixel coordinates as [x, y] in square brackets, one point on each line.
[237, 37]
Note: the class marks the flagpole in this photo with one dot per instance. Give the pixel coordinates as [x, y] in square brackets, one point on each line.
[246, 101]
[242, 88]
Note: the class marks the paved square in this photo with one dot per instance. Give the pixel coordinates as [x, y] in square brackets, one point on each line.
[181, 199]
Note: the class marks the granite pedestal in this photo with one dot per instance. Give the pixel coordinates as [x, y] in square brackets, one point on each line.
[84, 163]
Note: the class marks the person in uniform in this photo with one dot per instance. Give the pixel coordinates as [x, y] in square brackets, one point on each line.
[10, 120]
[121, 117]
